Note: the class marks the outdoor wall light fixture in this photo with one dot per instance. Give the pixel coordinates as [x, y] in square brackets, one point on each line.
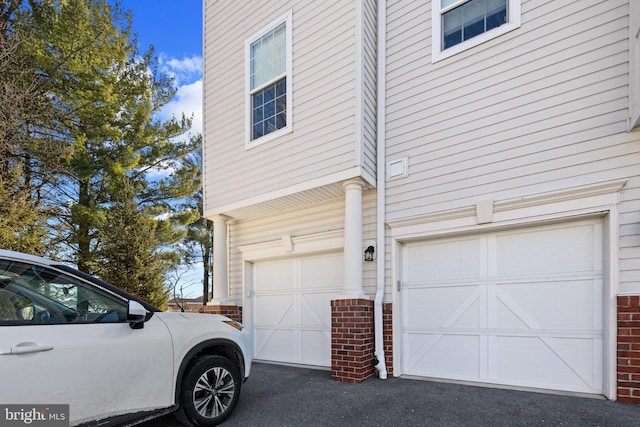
[368, 253]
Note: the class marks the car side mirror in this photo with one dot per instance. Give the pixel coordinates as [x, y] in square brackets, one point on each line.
[136, 315]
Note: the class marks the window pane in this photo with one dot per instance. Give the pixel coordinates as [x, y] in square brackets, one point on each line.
[269, 109]
[496, 13]
[471, 19]
[473, 16]
[446, 3]
[268, 56]
[270, 124]
[31, 295]
[269, 94]
[452, 25]
[258, 114]
[258, 130]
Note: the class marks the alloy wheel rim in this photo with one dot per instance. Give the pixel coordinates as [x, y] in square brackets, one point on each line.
[213, 392]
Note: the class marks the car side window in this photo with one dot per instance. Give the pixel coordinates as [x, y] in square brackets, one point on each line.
[36, 295]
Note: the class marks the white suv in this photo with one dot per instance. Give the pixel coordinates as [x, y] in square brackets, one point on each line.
[68, 338]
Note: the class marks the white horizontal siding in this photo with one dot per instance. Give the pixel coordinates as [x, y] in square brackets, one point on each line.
[533, 110]
[542, 108]
[630, 237]
[634, 63]
[324, 99]
[369, 86]
[313, 219]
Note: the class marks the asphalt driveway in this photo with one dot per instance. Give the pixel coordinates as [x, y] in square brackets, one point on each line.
[284, 396]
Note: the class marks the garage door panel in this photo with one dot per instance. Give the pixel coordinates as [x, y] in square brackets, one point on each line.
[435, 355]
[314, 309]
[556, 305]
[275, 310]
[274, 276]
[530, 315]
[275, 344]
[434, 307]
[454, 260]
[291, 306]
[316, 347]
[323, 272]
[569, 249]
[552, 363]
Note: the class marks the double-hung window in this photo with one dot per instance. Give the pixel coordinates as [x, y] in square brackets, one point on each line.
[269, 82]
[461, 24]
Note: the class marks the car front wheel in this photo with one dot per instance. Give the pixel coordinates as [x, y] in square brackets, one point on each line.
[209, 392]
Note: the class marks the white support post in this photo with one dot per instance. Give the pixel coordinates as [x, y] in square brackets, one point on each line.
[220, 262]
[353, 255]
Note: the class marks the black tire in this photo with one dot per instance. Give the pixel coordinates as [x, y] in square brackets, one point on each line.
[209, 392]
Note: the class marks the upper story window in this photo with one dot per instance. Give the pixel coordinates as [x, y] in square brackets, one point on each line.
[462, 24]
[269, 82]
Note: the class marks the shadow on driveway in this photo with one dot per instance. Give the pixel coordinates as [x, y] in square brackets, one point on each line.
[284, 396]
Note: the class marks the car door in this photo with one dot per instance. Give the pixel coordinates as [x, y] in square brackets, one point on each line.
[67, 341]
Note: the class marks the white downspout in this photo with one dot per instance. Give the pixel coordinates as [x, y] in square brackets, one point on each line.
[381, 182]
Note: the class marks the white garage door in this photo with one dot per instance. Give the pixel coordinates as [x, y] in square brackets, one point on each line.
[514, 308]
[292, 309]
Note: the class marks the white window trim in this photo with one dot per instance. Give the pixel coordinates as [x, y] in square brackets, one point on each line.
[247, 54]
[514, 11]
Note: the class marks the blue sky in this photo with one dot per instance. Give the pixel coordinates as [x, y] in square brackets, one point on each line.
[174, 28]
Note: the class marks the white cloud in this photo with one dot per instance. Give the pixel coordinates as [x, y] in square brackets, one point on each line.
[184, 70]
[187, 73]
[188, 100]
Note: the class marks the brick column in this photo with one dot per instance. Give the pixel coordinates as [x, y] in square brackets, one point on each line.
[629, 349]
[231, 311]
[352, 340]
[387, 337]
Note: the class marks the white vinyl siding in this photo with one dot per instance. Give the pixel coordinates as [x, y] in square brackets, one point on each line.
[308, 221]
[539, 110]
[629, 237]
[634, 64]
[532, 122]
[369, 86]
[326, 137]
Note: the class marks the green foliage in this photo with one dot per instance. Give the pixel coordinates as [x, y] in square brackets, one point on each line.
[30, 149]
[22, 228]
[83, 135]
[129, 256]
[198, 242]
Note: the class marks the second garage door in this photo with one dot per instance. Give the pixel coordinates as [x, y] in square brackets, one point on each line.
[292, 309]
[513, 308]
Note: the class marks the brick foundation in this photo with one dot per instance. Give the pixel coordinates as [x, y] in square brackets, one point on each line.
[231, 311]
[387, 337]
[628, 366]
[352, 340]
